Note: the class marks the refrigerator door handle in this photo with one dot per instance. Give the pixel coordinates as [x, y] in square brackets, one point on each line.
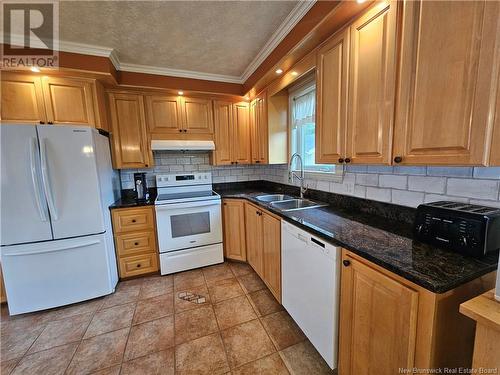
[45, 178]
[53, 250]
[35, 179]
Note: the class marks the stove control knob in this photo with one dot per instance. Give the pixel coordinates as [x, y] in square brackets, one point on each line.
[463, 241]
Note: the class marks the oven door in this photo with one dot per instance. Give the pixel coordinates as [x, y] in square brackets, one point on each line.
[188, 224]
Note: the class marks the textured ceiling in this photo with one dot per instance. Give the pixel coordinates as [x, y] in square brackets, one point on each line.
[218, 37]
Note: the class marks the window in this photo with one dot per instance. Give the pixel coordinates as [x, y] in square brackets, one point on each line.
[302, 131]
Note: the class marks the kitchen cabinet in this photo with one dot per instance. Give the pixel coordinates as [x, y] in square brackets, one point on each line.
[3, 295]
[197, 116]
[134, 231]
[259, 129]
[387, 322]
[263, 239]
[163, 114]
[495, 143]
[371, 85]
[68, 101]
[232, 133]
[445, 99]
[331, 98]
[31, 99]
[233, 216]
[131, 145]
[22, 99]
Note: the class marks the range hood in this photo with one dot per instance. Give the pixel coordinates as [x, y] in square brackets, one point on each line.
[173, 145]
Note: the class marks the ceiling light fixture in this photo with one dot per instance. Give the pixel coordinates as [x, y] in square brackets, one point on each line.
[35, 69]
[279, 71]
[180, 92]
[295, 74]
[360, 1]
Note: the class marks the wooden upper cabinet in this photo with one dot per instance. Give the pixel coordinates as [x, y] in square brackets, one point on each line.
[163, 114]
[223, 115]
[271, 243]
[130, 142]
[495, 144]
[197, 116]
[234, 229]
[447, 76]
[69, 101]
[371, 85]
[331, 98]
[259, 130]
[22, 99]
[241, 133]
[378, 318]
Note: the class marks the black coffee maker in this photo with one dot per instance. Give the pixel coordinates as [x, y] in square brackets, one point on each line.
[140, 186]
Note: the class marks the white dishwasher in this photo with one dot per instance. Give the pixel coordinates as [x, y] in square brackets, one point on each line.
[310, 271]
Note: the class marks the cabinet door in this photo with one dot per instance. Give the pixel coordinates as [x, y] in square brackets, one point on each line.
[22, 99]
[163, 114]
[69, 101]
[241, 133]
[223, 115]
[271, 235]
[331, 99]
[130, 141]
[258, 124]
[495, 144]
[197, 116]
[234, 229]
[253, 225]
[371, 85]
[446, 81]
[378, 322]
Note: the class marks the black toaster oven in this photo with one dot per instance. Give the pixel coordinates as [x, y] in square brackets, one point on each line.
[464, 228]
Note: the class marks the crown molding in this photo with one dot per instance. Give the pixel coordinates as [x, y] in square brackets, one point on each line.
[286, 26]
[87, 49]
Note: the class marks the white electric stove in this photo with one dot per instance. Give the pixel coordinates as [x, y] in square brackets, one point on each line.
[189, 222]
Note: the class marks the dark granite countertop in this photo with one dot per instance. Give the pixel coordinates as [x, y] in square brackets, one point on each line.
[381, 240]
[128, 199]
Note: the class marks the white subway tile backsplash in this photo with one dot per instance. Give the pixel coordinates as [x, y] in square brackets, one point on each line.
[427, 184]
[378, 194]
[476, 189]
[400, 184]
[407, 198]
[393, 181]
[485, 203]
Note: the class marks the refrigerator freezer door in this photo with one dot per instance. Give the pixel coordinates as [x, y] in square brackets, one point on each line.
[24, 213]
[69, 173]
[55, 273]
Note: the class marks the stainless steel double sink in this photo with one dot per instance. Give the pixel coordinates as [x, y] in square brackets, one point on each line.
[285, 202]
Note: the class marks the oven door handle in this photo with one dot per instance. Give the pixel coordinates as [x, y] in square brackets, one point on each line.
[165, 207]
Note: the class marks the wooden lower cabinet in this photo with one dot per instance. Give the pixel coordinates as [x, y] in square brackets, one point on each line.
[233, 217]
[3, 293]
[388, 323]
[135, 240]
[263, 239]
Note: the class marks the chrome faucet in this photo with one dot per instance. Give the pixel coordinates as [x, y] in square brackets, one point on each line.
[292, 174]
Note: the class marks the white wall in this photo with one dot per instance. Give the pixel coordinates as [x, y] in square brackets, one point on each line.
[408, 186]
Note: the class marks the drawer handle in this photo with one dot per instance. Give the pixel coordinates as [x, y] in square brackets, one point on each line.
[138, 265]
[133, 220]
[136, 243]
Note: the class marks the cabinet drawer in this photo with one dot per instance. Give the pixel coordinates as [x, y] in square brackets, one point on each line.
[134, 219]
[135, 243]
[138, 264]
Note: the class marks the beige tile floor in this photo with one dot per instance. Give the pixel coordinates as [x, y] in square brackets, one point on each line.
[145, 328]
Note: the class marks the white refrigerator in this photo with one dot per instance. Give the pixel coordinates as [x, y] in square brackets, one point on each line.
[57, 246]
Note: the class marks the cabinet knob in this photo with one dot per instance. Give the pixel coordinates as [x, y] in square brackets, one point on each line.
[42, 122]
[341, 160]
[235, 162]
[138, 265]
[346, 263]
[136, 243]
[398, 159]
[133, 220]
[257, 161]
[180, 130]
[50, 122]
[347, 160]
[185, 130]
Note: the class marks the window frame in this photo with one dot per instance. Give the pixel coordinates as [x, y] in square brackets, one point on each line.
[298, 90]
